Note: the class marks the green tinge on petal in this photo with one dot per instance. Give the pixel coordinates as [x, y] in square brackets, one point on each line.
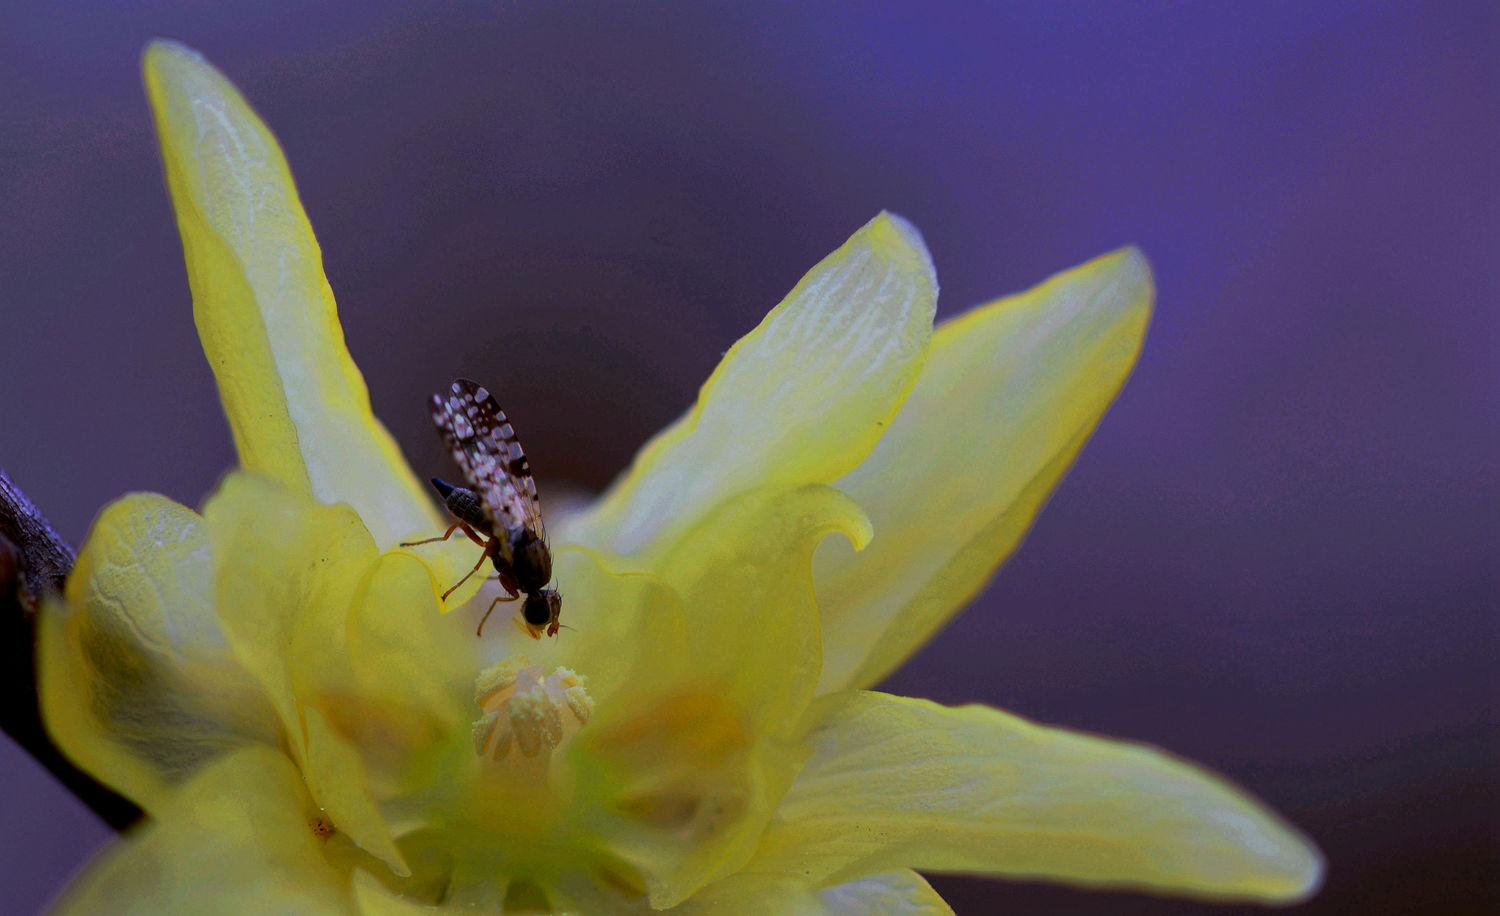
[895, 781]
[137, 684]
[236, 839]
[287, 570]
[799, 400]
[296, 403]
[1009, 394]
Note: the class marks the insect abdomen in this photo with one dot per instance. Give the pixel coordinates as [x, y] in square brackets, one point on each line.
[463, 503]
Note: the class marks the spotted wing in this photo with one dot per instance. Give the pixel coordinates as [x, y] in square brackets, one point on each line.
[484, 445]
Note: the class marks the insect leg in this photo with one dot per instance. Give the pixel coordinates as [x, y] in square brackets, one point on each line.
[480, 631]
[446, 535]
[488, 549]
[509, 584]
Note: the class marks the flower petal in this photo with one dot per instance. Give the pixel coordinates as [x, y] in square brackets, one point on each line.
[1008, 396]
[287, 573]
[296, 403]
[892, 894]
[691, 765]
[799, 400]
[629, 628]
[745, 577]
[137, 684]
[900, 781]
[897, 893]
[236, 839]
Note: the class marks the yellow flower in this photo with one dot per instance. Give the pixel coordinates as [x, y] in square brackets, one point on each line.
[277, 685]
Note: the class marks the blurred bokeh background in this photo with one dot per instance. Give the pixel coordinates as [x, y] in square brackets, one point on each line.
[1277, 556]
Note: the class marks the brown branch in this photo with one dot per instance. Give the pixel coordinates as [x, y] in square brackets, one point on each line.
[34, 562]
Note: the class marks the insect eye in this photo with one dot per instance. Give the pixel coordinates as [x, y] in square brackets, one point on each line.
[536, 611]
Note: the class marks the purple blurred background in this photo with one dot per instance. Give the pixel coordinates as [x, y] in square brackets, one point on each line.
[1276, 557]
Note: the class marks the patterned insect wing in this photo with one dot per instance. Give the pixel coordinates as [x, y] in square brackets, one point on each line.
[484, 446]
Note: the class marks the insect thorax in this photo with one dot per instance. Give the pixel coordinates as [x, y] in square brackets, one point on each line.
[531, 561]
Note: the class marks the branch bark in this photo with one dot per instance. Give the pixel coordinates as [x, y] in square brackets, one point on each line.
[34, 563]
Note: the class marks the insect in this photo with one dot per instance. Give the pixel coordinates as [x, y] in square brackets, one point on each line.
[499, 510]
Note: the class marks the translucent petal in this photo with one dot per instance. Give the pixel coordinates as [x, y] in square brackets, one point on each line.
[391, 674]
[375, 899]
[137, 684]
[236, 839]
[897, 893]
[287, 571]
[799, 400]
[1008, 396]
[745, 577]
[900, 781]
[296, 403]
[627, 630]
[695, 758]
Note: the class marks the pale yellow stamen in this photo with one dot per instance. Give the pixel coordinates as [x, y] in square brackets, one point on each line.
[526, 710]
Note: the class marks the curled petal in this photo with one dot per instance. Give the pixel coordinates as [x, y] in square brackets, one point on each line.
[745, 575]
[137, 683]
[1010, 393]
[799, 400]
[296, 403]
[895, 781]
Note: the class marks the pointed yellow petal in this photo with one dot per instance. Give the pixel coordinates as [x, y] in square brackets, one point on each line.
[899, 781]
[297, 406]
[236, 839]
[137, 684]
[799, 400]
[1009, 394]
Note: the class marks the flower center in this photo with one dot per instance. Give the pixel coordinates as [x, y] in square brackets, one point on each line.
[527, 711]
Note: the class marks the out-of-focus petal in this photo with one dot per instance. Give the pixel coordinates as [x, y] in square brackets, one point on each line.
[1008, 396]
[287, 570]
[799, 400]
[236, 839]
[296, 403]
[137, 684]
[901, 782]
[391, 675]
